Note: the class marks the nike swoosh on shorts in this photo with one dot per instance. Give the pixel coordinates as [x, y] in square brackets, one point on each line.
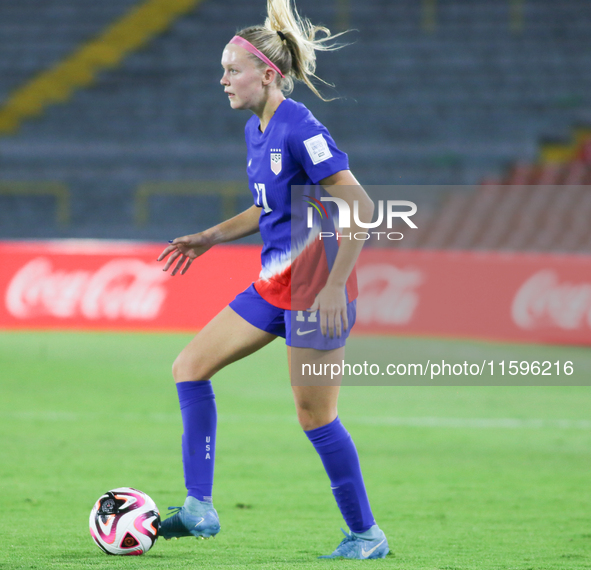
[301, 333]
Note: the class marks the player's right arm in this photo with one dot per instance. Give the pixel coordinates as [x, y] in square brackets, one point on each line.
[184, 250]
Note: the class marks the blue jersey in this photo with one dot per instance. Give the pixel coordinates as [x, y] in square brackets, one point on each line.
[284, 166]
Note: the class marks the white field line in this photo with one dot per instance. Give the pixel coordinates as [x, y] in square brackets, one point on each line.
[475, 423]
[394, 421]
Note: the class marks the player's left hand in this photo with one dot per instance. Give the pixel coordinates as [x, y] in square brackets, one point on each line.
[184, 250]
[331, 304]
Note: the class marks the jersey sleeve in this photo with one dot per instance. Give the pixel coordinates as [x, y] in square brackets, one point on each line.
[313, 147]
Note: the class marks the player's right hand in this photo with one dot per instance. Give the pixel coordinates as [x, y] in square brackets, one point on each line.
[184, 250]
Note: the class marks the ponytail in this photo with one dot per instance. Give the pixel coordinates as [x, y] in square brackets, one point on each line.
[290, 42]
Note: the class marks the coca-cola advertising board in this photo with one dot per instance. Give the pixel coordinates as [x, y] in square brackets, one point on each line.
[489, 295]
[120, 286]
[115, 285]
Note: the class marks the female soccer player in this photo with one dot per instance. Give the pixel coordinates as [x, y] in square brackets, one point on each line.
[306, 290]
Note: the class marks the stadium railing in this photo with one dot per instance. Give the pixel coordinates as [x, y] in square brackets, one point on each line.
[57, 189]
[229, 192]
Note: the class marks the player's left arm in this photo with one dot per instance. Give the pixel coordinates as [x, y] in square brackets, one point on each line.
[331, 301]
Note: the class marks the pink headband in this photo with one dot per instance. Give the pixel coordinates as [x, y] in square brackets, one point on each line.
[249, 47]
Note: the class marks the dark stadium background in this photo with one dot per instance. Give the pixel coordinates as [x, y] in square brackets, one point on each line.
[442, 94]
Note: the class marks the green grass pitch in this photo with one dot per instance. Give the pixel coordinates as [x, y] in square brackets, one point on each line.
[460, 477]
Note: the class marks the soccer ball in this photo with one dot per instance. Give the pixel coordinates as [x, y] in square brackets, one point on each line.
[124, 521]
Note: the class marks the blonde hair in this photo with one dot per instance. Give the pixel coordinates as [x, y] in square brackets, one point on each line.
[294, 51]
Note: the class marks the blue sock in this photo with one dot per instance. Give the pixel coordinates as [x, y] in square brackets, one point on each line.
[339, 457]
[199, 415]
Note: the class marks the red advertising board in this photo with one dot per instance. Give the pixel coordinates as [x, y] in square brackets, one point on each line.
[120, 286]
[522, 297]
[116, 285]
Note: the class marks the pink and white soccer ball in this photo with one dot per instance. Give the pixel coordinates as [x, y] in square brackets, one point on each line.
[125, 521]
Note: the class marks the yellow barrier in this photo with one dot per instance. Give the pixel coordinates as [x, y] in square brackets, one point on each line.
[558, 153]
[229, 191]
[57, 84]
[429, 15]
[566, 152]
[516, 15]
[58, 190]
[343, 15]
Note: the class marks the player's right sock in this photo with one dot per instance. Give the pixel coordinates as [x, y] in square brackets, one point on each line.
[339, 457]
[194, 518]
[199, 415]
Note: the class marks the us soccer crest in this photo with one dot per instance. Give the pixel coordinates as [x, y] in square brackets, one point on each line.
[276, 160]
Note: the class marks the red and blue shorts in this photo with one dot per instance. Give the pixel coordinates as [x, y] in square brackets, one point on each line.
[299, 328]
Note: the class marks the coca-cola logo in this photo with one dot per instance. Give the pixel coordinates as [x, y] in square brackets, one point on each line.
[387, 295]
[121, 289]
[543, 301]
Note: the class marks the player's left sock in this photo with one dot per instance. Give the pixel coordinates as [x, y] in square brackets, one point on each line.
[199, 415]
[339, 457]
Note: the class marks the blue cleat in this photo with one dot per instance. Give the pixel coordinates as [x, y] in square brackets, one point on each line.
[362, 546]
[194, 518]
